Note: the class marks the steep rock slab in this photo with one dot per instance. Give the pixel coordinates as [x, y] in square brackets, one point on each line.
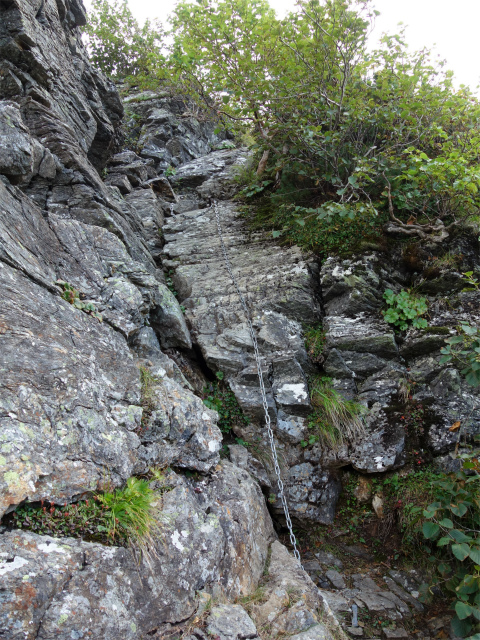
[70, 401]
[277, 284]
[291, 603]
[66, 121]
[93, 260]
[68, 588]
[279, 287]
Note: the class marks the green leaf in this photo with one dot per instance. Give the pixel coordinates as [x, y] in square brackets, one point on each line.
[460, 551]
[460, 628]
[463, 610]
[444, 541]
[458, 509]
[446, 522]
[430, 529]
[459, 536]
[474, 554]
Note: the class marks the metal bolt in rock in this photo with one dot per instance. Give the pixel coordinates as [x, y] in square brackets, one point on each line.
[268, 423]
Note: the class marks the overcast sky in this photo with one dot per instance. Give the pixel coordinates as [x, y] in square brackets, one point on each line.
[453, 26]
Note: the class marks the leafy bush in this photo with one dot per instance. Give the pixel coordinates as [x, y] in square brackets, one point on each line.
[335, 420]
[219, 397]
[357, 131]
[302, 225]
[453, 521]
[405, 308]
[406, 496]
[464, 349]
[128, 516]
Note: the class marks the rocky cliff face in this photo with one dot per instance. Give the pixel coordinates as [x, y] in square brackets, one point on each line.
[84, 306]
[84, 221]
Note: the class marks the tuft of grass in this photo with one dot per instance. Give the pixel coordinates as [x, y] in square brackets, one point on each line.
[131, 516]
[335, 420]
[134, 514]
[315, 343]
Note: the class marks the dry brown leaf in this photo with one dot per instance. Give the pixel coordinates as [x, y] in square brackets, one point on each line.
[455, 426]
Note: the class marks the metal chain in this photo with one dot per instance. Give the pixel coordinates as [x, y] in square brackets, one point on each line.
[268, 423]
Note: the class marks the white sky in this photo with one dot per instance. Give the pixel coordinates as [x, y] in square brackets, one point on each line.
[453, 26]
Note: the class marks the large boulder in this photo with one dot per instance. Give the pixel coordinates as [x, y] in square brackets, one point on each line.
[67, 588]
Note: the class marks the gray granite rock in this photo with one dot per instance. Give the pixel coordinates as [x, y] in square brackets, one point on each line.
[230, 622]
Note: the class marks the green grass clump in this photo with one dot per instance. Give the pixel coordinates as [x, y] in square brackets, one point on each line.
[134, 514]
[334, 420]
[131, 516]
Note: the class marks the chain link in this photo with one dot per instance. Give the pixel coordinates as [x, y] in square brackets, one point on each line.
[268, 423]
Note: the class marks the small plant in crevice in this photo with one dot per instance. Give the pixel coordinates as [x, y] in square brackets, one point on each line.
[464, 350]
[169, 281]
[335, 420]
[170, 171]
[72, 295]
[413, 418]
[219, 397]
[405, 309]
[471, 281]
[148, 382]
[315, 338]
[130, 516]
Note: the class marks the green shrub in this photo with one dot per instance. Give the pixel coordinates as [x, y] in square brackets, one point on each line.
[120, 47]
[407, 496]
[405, 309]
[383, 131]
[295, 224]
[334, 420]
[453, 522]
[464, 349]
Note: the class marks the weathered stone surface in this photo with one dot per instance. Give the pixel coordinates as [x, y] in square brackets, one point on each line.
[148, 207]
[169, 133]
[179, 429]
[68, 588]
[290, 388]
[241, 457]
[312, 493]
[21, 155]
[288, 584]
[280, 291]
[336, 579]
[230, 622]
[328, 559]
[363, 358]
[317, 632]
